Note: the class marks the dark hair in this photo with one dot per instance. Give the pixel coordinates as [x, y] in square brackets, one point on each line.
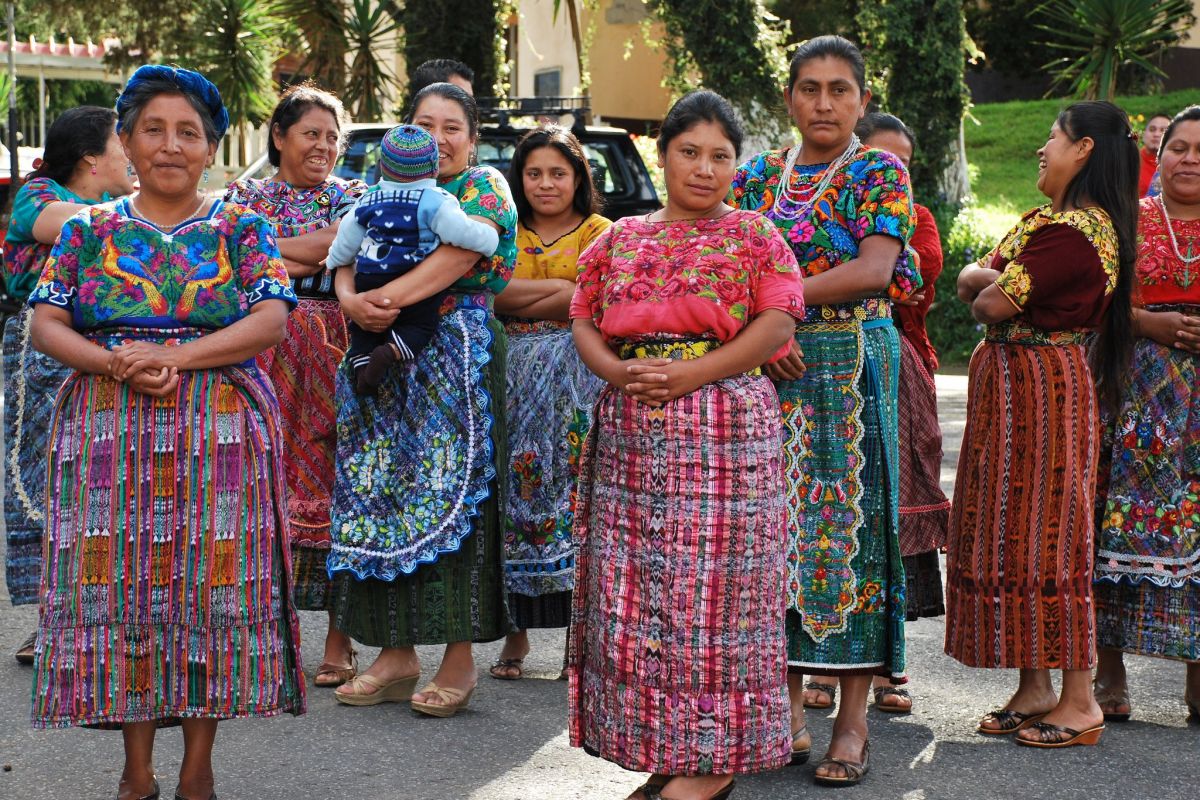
[137, 96]
[78, 132]
[587, 200]
[448, 91]
[438, 70]
[829, 47]
[1158, 114]
[881, 122]
[297, 101]
[1110, 180]
[696, 107]
[1189, 114]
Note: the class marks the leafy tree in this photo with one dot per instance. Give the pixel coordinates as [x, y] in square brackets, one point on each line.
[1111, 45]
[324, 42]
[367, 26]
[470, 31]
[1004, 32]
[916, 50]
[810, 18]
[735, 48]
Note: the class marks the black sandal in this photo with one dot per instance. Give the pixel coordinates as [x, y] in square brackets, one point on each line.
[854, 771]
[499, 669]
[892, 691]
[825, 688]
[800, 756]
[1010, 721]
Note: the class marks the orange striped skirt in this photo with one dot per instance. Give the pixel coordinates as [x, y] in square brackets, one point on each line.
[1019, 564]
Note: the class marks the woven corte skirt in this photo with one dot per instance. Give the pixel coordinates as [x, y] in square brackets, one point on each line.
[1019, 565]
[677, 662]
[166, 582]
[302, 369]
[31, 382]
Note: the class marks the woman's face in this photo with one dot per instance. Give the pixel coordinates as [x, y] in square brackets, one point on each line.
[112, 168]
[1059, 161]
[893, 142]
[308, 148]
[1179, 167]
[825, 102]
[549, 182]
[698, 168]
[167, 147]
[446, 121]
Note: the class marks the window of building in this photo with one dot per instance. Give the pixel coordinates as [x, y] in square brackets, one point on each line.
[548, 83]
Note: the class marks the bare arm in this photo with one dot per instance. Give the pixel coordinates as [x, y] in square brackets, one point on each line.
[1168, 328]
[868, 275]
[49, 223]
[546, 298]
[53, 334]
[303, 254]
[974, 279]
[992, 305]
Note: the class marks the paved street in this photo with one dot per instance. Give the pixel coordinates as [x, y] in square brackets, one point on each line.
[511, 744]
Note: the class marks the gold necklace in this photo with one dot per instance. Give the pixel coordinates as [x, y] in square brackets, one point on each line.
[175, 224]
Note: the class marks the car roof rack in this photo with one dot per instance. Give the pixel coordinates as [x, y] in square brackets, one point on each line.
[501, 109]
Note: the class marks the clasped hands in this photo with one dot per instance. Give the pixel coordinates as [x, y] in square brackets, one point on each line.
[145, 367]
[656, 381]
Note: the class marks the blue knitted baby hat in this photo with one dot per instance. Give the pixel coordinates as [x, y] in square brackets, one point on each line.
[408, 153]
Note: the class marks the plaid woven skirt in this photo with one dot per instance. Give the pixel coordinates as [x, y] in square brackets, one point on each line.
[165, 591]
[31, 381]
[677, 661]
[1019, 563]
[924, 507]
[302, 369]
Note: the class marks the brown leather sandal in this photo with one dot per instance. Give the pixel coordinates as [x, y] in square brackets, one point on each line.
[1052, 736]
[1010, 721]
[337, 674]
[24, 654]
[855, 771]
[881, 692]
[824, 688]
[500, 669]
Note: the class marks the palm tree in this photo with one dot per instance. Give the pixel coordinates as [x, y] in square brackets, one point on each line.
[237, 48]
[1105, 40]
[367, 26]
[324, 38]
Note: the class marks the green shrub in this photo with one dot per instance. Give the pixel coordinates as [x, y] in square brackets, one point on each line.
[952, 329]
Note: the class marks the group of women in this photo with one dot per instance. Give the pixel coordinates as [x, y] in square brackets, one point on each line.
[704, 438]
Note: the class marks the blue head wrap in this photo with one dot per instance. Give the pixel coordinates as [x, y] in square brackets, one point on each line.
[185, 80]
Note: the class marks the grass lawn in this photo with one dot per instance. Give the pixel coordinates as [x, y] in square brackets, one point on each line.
[1001, 150]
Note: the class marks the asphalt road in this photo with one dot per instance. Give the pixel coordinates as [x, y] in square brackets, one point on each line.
[511, 743]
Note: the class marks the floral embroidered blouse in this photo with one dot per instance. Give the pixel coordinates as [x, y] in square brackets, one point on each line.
[537, 259]
[24, 256]
[111, 268]
[1058, 269]
[1162, 276]
[689, 279]
[869, 196]
[293, 211]
[483, 192]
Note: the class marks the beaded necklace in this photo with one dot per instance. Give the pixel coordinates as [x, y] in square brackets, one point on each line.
[800, 207]
[1187, 262]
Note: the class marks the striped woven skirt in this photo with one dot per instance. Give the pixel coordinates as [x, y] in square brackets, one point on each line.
[1148, 535]
[1019, 563]
[676, 657]
[846, 583]
[924, 507]
[302, 369]
[550, 397]
[165, 591]
[31, 382]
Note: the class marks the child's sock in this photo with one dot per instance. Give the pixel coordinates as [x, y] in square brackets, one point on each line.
[382, 358]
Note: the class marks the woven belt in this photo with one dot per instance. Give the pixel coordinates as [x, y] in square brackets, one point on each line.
[1023, 333]
[679, 349]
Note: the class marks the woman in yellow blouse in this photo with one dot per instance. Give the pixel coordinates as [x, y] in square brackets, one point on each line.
[550, 391]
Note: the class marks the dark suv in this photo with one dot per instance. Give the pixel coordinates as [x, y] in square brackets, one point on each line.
[617, 167]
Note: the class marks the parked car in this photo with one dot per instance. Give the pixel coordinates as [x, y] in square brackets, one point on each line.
[617, 167]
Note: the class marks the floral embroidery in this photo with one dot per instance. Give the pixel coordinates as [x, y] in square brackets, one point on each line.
[1092, 222]
[1162, 277]
[483, 192]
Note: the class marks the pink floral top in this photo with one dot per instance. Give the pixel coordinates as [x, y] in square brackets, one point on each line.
[698, 279]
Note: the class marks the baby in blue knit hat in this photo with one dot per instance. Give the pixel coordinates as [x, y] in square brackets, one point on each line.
[389, 231]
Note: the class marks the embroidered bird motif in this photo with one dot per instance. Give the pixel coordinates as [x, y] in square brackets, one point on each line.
[131, 270]
[205, 275]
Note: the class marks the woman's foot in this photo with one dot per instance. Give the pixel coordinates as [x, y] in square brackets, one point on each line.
[848, 744]
[1079, 716]
[697, 787]
[890, 698]
[24, 653]
[339, 664]
[195, 787]
[457, 671]
[137, 787]
[1111, 686]
[508, 666]
[650, 788]
[392, 665]
[820, 694]
[1026, 703]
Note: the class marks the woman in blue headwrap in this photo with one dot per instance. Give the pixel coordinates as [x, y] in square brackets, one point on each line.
[165, 593]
